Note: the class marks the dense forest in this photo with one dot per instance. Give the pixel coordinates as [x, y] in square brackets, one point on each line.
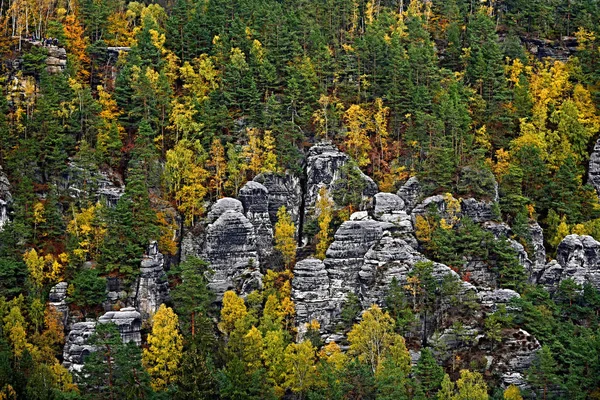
[129, 269]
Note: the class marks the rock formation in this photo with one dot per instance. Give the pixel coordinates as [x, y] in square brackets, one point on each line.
[231, 251]
[324, 167]
[5, 198]
[283, 190]
[58, 299]
[76, 345]
[594, 167]
[310, 292]
[222, 205]
[577, 258]
[129, 322]
[151, 288]
[255, 199]
[410, 192]
[57, 59]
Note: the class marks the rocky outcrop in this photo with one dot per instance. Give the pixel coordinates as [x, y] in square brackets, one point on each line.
[103, 186]
[231, 250]
[345, 256]
[117, 294]
[58, 299]
[387, 203]
[478, 211]
[410, 192]
[76, 345]
[577, 258]
[129, 322]
[490, 299]
[5, 199]
[594, 167]
[151, 287]
[539, 251]
[392, 258]
[324, 167]
[255, 199]
[283, 190]
[57, 59]
[222, 205]
[310, 293]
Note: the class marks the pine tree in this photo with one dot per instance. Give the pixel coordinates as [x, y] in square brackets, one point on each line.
[429, 374]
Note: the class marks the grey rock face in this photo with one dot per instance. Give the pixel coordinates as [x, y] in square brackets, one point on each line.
[539, 251]
[283, 190]
[5, 199]
[323, 169]
[578, 258]
[222, 205]
[57, 59]
[58, 299]
[594, 167]
[151, 288]
[310, 293]
[129, 322]
[436, 203]
[76, 345]
[387, 203]
[410, 192]
[478, 211]
[116, 294]
[255, 199]
[490, 299]
[231, 250]
[104, 186]
[394, 258]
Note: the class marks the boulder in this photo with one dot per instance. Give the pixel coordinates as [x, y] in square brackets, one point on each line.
[151, 287]
[129, 322]
[231, 250]
[410, 193]
[490, 299]
[255, 199]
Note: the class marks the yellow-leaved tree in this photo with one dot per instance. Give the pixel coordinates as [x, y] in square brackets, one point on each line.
[185, 178]
[358, 124]
[300, 363]
[165, 345]
[89, 230]
[234, 309]
[285, 242]
[373, 339]
[324, 208]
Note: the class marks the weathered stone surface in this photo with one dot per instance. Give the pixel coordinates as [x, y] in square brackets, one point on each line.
[129, 322]
[151, 287]
[345, 257]
[255, 199]
[323, 169]
[435, 203]
[230, 248]
[284, 190]
[222, 205]
[58, 299]
[387, 203]
[490, 299]
[539, 251]
[117, 294]
[594, 167]
[514, 355]
[56, 61]
[478, 211]
[410, 192]
[5, 199]
[394, 258]
[76, 345]
[104, 186]
[578, 258]
[310, 293]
